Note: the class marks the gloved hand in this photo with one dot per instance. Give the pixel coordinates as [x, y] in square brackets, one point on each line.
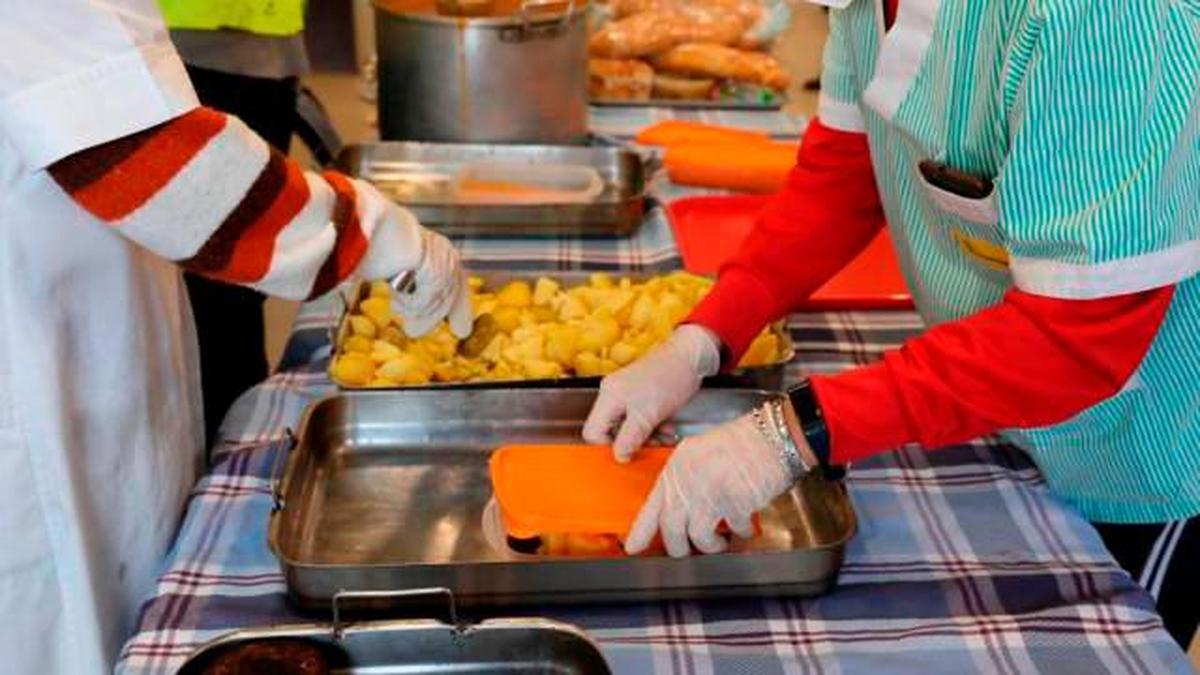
[439, 290]
[727, 473]
[400, 245]
[643, 394]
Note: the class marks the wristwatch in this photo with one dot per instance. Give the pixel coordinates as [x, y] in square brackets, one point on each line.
[812, 424]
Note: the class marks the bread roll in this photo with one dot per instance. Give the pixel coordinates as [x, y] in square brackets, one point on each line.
[718, 61]
[619, 79]
[657, 31]
[684, 88]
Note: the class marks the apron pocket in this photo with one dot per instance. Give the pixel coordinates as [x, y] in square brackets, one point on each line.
[973, 225]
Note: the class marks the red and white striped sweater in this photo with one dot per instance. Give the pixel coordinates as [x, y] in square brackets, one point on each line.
[207, 193]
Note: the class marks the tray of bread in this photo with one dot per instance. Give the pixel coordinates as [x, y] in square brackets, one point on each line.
[569, 329]
[389, 490]
[687, 53]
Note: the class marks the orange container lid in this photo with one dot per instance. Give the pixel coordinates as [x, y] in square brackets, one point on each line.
[572, 489]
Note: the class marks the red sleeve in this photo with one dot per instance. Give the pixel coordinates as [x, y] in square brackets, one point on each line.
[828, 211]
[1029, 361]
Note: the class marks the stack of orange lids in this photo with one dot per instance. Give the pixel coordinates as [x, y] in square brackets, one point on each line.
[721, 157]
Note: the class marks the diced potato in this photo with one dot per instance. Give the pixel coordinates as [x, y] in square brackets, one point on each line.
[573, 308]
[599, 332]
[378, 310]
[624, 353]
[363, 326]
[541, 314]
[600, 280]
[355, 370]
[395, 336]
[544, 291]
[642, 312]
[358, 344]
[542, 370]
[407, 369]
[382, 350]
[515, 294]
[475, 283]
[381, 289]
[562, 344]
[382, 383]
[507, 318]
[608, 366]
[588, 364]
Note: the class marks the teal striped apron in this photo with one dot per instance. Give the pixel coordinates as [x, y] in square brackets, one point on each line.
[1086, 116]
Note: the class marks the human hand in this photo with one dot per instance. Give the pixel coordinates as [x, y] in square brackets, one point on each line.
[640, 396]
[726, 474]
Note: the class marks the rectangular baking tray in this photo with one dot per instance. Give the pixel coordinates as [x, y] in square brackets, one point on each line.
[386, 490]
[766, 376]
[617, 211]
[418, 646]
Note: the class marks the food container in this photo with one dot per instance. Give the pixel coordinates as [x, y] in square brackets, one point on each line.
[765, 376]
[387, 490]
[419, 646]
[421, 176]
[519, 77]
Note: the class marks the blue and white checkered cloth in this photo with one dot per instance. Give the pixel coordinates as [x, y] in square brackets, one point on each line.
[964, 562]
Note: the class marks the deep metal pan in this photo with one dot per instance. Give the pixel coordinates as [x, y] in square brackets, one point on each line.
[617, 211]
[766, 376]
[415, 647]
[386, 490]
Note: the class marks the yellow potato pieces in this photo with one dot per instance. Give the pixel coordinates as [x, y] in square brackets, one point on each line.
[407, 369]
[378, 310]
[545, 291]
[515, 294]
[539, 330]
[361, 325]
[353, 369]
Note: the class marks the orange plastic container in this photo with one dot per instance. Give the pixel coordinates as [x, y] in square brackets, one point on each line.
[572, 489]
[679, 132]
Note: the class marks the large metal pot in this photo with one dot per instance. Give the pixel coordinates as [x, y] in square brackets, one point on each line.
[520, 78]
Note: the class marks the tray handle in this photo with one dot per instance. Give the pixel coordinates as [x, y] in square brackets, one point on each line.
[339, 627]
[277, 502]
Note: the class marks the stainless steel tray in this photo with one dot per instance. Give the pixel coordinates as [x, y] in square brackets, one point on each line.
[386, 490]
[766, 376]
[414, 647]
[617, 211]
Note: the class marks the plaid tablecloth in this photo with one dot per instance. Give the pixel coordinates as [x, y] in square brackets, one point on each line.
[964, 562]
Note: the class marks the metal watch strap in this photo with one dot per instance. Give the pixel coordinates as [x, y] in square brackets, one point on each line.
[812, 420]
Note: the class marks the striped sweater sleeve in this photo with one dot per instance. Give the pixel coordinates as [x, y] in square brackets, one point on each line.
[206, 192]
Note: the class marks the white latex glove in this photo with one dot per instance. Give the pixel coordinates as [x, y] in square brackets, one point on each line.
[727, 473]
[640, 396]
[399, 245]
[440, 290]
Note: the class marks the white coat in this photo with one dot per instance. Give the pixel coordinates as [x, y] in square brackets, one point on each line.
[99, 409]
